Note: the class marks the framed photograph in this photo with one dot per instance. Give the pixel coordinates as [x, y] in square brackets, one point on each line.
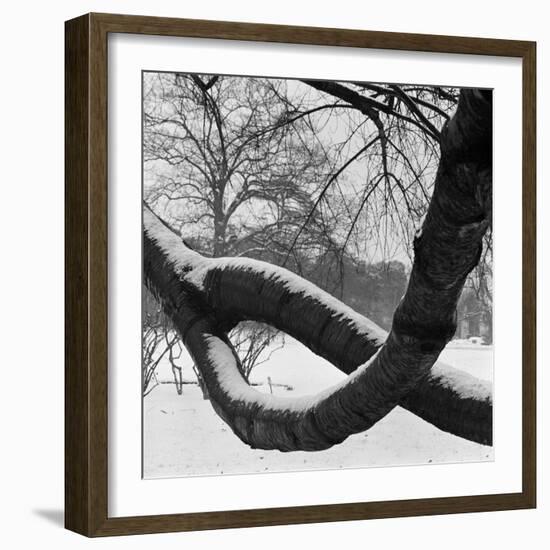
[293, 293]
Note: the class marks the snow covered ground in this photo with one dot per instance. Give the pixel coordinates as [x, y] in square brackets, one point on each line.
[183, 436]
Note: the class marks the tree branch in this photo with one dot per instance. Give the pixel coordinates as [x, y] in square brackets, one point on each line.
[190, 288]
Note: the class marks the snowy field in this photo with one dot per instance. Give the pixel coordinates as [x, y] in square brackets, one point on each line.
[183, 436]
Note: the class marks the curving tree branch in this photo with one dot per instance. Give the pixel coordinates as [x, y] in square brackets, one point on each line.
[206, 297]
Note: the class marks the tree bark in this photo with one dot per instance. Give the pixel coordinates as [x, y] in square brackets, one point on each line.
[206, 297]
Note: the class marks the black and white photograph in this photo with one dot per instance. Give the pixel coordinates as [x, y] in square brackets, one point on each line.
[317, 274]
[279, 269]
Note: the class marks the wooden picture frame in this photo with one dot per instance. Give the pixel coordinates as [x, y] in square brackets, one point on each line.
[86, 282]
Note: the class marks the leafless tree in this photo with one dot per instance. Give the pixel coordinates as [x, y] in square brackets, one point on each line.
[255, 343]
[225, 158]
[233, 166]
[157, 342]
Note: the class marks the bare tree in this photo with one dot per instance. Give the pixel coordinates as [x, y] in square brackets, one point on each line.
[158, 341]
[255, 343]
[233, 166]
[226, 158]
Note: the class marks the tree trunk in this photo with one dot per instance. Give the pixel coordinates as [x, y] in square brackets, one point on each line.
[206, 297]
